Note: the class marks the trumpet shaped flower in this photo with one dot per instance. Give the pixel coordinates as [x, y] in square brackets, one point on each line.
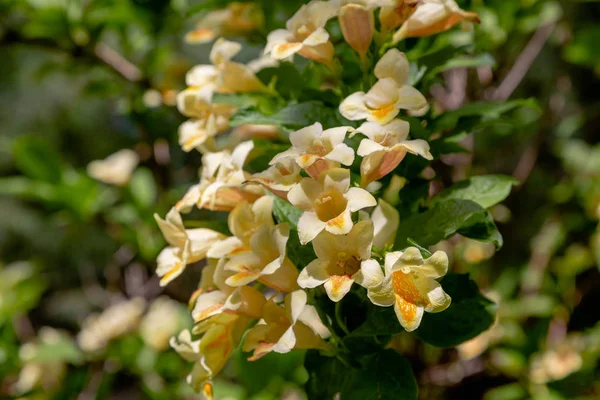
[220, 335]
[390, 94]
[385, 148]
[296, 325]
[280, 177]
[266, 262]
[338, 260]
[328, 203]
[244, 300]
[305, 34]
[186, 246]
[394, 14]
[199, 133]
[386, 220]
[317, 150]
[115, 169]
[433, 16]
[409, 284]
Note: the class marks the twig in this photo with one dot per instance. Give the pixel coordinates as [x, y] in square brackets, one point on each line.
[117, 62]
[523, 62]
[526, 163]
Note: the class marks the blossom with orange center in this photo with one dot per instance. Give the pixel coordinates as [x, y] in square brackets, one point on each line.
[296, 325]
[385, 148]
[186, 246]
[390, 94]
[279, 178]
[338, 260]
[317, 150]
[409, 284]
[433, 16]
[266, 262]
[305, 34]
[328, 203]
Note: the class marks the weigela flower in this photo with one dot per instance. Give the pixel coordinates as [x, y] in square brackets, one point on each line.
[409, 284]
[221, 185]
[199, 133]
[280, 177]
[388, 96]
[237, 19]
[164, 319]
[266, 262]
[220, 335]
[186, 246]
[328, 203]
[317, 150]
[305, 34]
[296, 325]
[244, 300]
[394, 15]
[338, 260]
[385, 147]
[115, 169]
[433, 16]
[386, 220]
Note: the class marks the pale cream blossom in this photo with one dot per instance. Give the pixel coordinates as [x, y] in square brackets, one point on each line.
[338, 260]
[280, 177]
[556, 363]
[237, 19]
[390, 94]
[386, 220]
[219, 336]
[186, 246]
[115, 169]
[266, 262]
[117, 320]
[409, 284]
[394, 15]
[305, 34]
[328, 203]
[433, 16]
[385, 148]
[296, 325]
[317, 150]
[163, 319]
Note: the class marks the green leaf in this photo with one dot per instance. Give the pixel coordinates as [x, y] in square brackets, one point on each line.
[387, 375]
[285, 212]
[287, 79]
[465, 61]
[469, 314]
[476, 115]
[239, 100]
[143, 188]
[292, 117]
[61, 348]
[485, 190]
[445, 219]
[381, 321]
[327, 375]
[35, 158]
[25, 188]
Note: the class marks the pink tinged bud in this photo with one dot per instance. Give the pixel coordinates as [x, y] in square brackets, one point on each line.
[357, 25]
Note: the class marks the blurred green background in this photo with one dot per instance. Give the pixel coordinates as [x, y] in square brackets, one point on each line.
[80, 80]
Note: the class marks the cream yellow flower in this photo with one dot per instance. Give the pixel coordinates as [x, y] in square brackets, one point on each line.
[409, 284]
[280, 177]
[267, 262]
[317, 150]
[199, 133]
[394, 15]
[305, 34]
[388, 96]
[164, 319]
[115, 169]
[244, 300]
[433, 16]
[296, 325]
[220, 335]
[237, 19]
[328, 203]
[338, 260]
[385, 147]
[186, 246]
[386, 220]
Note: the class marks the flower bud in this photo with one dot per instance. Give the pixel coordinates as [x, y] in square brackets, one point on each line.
[357, 25]
[392, 17]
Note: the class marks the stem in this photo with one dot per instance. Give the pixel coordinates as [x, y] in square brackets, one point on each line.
[338, 318]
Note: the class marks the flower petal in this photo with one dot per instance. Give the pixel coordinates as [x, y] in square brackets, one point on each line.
[310, 317]
[309, 226]
[319, 36]
[341, 224]
[418, 146]
[314, 274]
[338, 178]
[393, 65]
[370, 274]
[410, 98]
[359, 198]
[382, 294]
[223, 50]
[342, 154]
[354, 107]
[303, 138]
[338, 286]
[409, 315]
[386, 220]
[303, 194]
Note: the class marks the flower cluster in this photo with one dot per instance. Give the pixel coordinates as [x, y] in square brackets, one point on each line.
[251, 285]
